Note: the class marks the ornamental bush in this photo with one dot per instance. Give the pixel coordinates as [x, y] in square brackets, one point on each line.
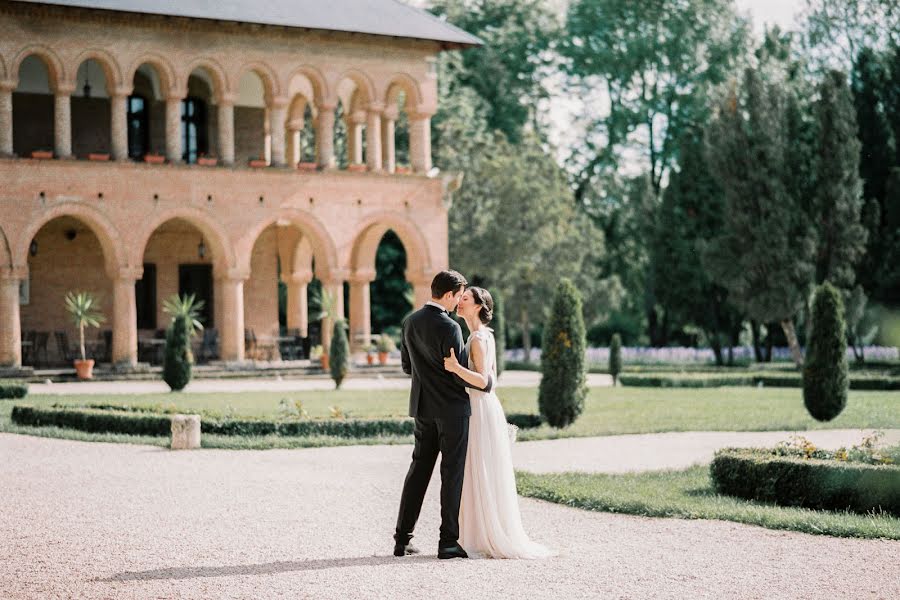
[12, 390]
[563, 384]
[825, 372]
[339, 354]
[177, 368]
[615, 357]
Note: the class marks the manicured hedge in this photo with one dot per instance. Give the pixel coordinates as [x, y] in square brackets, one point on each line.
[759, 474]
[13, 390]
[93, 420]
[766, 380]
[524, 420]
[134, 422]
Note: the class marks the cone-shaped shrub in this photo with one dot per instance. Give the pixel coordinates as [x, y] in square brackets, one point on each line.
[179, 360]
[339, 354]
[615, 357]
[825, 378]
[563, 389]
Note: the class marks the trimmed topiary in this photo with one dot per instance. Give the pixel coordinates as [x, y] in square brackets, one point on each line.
[179, 360]
[12, 390]
[339, 354]
[615, 357]
[825, 373]
[499, 326]
[563, 383]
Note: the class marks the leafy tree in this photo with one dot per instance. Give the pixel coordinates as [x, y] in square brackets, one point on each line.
[825, 374]
[764, 254]
[563, 383]
[655, 63]
[838, 199]
[509, 71]
[339, 353]
[499, 326]
[836, 31]
[178, 361]
[692, 211]
[615, 357]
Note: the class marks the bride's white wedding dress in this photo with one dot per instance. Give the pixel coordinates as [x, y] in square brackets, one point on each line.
[489, 521]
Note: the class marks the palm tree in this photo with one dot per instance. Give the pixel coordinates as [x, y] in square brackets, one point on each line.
[83, 308]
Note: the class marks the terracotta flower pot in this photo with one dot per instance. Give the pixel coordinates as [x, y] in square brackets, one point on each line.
[98, 156]
[402, 170]
[383, 357]
[258, 162]
[370, 358]
[85, 368]
[154, 159]
[357, 168]
[307, 166]
[41, 154]
[325, 362]
[207, 161]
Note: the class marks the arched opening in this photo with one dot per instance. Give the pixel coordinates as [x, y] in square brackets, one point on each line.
[146, 109]
[198, 120]
[283, 297]
[300, 132]
[91, 106]
[178, 260]
[64, 255]
[33, 109]
[391, 293]
[350, 130]
[396, 128]
[252, 140]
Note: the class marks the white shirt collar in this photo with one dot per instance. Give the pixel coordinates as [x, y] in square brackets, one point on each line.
[436, 305]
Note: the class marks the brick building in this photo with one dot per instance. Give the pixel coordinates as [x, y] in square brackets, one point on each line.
[242, 102]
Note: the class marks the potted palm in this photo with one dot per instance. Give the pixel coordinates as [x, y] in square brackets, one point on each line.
[327, 314]
[369, 349]
[83, 308]
[385, 346]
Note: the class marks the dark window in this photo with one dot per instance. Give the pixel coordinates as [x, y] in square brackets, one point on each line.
[194, 132]
[138, 128]
[198, 280]
[145, 298]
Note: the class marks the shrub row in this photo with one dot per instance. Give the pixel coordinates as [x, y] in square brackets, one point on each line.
[12, 390]
[766, 380]
[759, 474]
[524, 420]
[132, 422]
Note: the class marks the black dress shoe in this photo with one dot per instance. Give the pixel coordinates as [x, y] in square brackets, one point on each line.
[454, 551]
[405, 550]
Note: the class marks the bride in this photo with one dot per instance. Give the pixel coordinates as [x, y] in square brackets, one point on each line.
[489, 520]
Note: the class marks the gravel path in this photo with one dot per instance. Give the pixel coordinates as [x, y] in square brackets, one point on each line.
[655, 451]
[90, 520]
[276, 384]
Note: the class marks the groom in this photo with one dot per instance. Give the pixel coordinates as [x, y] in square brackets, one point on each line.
[440, 405]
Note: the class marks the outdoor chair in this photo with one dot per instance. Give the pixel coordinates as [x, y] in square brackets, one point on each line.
[209, 347]
[62, 346]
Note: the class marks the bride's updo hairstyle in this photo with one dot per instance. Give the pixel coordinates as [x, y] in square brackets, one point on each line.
[483, 299]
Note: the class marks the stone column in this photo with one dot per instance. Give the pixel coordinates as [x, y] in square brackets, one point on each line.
[388, 142]
[124, 321]
[421, 293]
[373, 137]
[226, 129]
[10, 326]
[420, 142]
[325, 136]
[174, 149]
[295, 150]
[360, 308]
[6, 116]
[297, 305]
[229, 295]
[355, 124]
[118, 113]
[62, 120]
[277, 115]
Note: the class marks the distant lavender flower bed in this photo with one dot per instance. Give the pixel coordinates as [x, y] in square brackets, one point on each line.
[684, 355]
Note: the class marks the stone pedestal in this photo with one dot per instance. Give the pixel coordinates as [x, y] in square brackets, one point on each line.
[185, 432]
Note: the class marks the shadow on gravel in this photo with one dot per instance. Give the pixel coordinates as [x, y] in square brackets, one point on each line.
[264, 568]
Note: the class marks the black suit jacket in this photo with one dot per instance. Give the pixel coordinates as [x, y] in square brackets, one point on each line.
[428, 335]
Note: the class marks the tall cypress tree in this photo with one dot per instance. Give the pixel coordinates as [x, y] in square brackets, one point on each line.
[838, 199]
[764, 254]
[825, 375]
[563, 383]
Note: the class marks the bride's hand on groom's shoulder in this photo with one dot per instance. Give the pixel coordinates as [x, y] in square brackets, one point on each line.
[450, 362]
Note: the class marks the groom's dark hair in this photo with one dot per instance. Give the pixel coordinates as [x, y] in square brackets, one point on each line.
[447, 281]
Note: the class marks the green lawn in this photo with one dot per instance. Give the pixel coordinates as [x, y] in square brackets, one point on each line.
[608, 411]
[689, 494]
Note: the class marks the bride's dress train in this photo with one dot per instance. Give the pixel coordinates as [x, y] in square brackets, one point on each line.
[489, 521]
